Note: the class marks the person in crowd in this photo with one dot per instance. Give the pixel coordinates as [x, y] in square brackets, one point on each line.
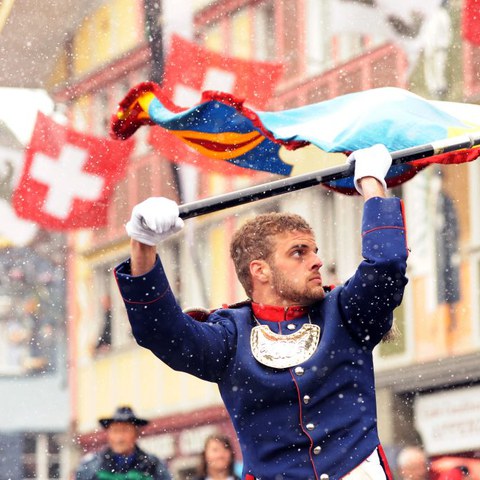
[122, 459]
[460, 472]
[412, 463]
[218, 459]
[294, 363]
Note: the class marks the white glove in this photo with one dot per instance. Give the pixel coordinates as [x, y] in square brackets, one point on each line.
[371, 162]
[154, 220]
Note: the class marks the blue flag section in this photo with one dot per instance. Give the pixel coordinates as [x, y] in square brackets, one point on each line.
[222, 128]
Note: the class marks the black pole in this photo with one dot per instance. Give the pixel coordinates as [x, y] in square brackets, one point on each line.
[154, 33]
[291, 184]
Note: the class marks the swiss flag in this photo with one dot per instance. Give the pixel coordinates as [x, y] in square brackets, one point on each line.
[191, 69]
[68, 177]
[471, 21]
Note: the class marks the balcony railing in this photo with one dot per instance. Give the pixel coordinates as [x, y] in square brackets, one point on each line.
[382, 67]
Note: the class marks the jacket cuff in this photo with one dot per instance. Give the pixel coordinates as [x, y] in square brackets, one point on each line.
[382, 212]
[132, 288]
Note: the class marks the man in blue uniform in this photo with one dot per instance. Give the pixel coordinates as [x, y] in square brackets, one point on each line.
[293, 364]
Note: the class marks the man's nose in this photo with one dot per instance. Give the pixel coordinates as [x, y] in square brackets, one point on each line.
[316, 261]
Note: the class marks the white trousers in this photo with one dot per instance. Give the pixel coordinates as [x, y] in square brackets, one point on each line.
[370, 469]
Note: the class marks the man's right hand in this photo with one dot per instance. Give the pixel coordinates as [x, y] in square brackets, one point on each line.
[154, 220]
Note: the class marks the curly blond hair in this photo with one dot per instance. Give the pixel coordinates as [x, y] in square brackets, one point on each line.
[254, 241]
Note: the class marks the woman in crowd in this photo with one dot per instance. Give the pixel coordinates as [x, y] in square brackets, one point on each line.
[218, 459]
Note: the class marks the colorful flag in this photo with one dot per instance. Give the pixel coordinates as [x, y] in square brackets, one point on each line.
[401, 22]
[68, 177]
[471, 21]
[191, 69]
[223, 129]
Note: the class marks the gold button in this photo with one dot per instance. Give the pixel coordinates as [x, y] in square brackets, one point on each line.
[317, 450]
[310, 426]
[324, 476]
[291, 326]
[306, 399]
[299, 371]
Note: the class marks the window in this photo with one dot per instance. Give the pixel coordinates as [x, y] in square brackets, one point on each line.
[475, 265]
[318, 43]
[169, 251]
[42, 456]
[434, 234]
[196, 257]
[420, 215]
[291, 40]
[100, 115]
[474, 190]
[241, 31]
[111, 328]
[474, 179]
[345, 225]
[203, 276]
[349, 45]
[265, 32]
[29, 456]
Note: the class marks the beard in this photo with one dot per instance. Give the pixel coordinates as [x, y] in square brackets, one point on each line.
[292, 291]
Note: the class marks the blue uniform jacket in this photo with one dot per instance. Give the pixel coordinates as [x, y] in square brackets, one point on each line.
[294, 423]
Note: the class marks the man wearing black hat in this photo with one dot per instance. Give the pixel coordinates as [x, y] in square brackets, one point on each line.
[122, 458]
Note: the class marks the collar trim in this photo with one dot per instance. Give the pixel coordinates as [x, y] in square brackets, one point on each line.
[272, 313]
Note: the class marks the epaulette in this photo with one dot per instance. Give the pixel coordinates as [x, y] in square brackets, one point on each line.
[198, 313]
[241, 304]
[201, 314]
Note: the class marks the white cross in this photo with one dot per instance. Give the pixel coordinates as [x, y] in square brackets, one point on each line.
[65, 180]
[215, 79]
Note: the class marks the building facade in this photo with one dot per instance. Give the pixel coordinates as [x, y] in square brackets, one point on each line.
[436, 353]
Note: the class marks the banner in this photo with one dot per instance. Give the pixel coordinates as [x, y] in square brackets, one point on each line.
[68, 177]
[224, 130]
[191, 69]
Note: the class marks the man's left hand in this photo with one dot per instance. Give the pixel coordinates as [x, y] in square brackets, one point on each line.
[371, 162]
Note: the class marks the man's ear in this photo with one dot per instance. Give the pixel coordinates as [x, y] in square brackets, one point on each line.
[260, 270]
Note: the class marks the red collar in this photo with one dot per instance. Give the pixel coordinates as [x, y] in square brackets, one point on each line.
[273, 313]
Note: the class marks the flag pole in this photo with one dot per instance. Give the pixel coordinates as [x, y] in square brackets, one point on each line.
[291, 184]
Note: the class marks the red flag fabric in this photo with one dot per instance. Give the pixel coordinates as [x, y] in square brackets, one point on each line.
[191, 69]
[471, 21]
[68, 177]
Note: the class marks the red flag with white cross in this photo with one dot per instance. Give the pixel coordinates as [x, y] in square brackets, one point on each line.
[191, 69]
[68, 177]
[470, 21]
